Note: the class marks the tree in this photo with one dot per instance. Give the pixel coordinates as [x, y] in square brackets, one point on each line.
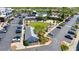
[42, 39]
[25, 43]
[76, 26]
[66, 11]
[49, 12]
[39, 18]
[64, 47]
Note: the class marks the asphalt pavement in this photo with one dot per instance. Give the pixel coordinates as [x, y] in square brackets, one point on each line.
[8, 36]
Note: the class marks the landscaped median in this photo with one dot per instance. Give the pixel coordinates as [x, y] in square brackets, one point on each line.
[19, 46]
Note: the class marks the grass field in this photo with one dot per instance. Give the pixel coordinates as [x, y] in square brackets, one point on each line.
[39, 26]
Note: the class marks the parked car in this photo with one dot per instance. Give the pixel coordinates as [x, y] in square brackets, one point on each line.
[16, 39]
[69, 37]
[3, 30]
[77, 48]
[5, 27]
[58, 27]
[19, 16]
[18, 31]
[67, 20]
[73, 29]
[19, 27]
[23, 16]
[70, 32]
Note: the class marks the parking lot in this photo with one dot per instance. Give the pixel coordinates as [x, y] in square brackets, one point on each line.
[9, 35]
[54, 32]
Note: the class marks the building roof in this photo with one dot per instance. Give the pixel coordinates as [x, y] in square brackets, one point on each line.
[2, 15]
[31, 17]
[30, 33]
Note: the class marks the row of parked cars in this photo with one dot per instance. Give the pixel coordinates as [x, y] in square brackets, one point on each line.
[60, 27]
[71, 34]
[17, 31]
[4, 30]
[18, 36]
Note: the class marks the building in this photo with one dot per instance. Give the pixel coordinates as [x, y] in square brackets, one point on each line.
[5, 13]
[30, 36]
[30, 18]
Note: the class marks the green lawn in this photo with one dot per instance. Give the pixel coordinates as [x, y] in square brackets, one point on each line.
[39, 26]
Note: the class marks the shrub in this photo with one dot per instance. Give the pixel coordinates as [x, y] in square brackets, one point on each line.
[10, 20]
[76, 26]
[42, 39]
[64, 47]
[25, 43]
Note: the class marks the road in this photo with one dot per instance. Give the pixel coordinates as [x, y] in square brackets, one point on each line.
[55, 46]
[6, 41]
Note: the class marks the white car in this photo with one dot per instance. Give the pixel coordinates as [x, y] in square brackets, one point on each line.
[16, 39]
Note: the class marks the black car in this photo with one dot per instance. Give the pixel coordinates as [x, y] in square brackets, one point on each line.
[70, 32]
[23, 16]
[69, 37]
[67, 20]
[19, 16]
[77, 48]
[17, 37]
[58, 27]
[19, 27]
[18, 31]
[6, 27]
[73, 29]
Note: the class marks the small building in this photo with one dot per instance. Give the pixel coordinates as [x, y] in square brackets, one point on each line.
[7, 12]
[55, 15]
[2, 18]
[30, 36]
[30, 18]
